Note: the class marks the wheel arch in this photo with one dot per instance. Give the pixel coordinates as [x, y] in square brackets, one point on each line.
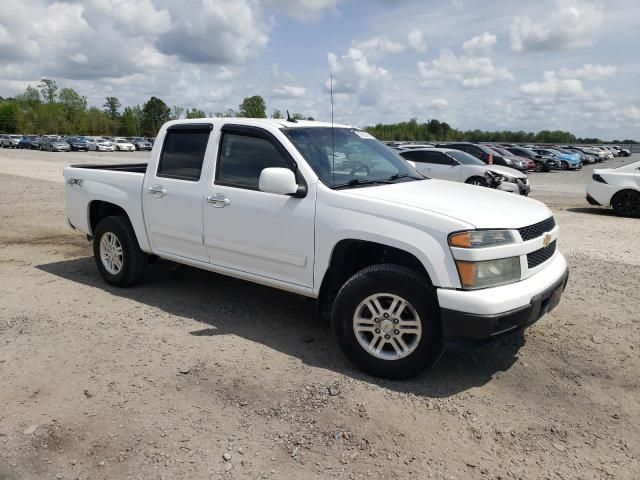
[352, 255]
[99, 209]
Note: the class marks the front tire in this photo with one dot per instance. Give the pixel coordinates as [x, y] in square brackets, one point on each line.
[117, 253]
[565, 165]
[626, 203]
[387, 322]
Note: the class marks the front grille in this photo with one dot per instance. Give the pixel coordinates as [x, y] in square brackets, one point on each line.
[536, 230]
[540, 256]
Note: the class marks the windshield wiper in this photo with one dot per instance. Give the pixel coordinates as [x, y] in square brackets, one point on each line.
[396, 176]
[359, 181]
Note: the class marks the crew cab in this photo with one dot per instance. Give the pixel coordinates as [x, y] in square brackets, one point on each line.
[402, 265]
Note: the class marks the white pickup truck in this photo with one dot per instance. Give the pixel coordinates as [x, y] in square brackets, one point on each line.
[400, 263]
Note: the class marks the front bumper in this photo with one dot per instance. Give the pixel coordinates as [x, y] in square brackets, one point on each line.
[519, 187]
[477, 316]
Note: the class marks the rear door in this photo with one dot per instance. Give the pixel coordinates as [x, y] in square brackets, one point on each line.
[173, 193]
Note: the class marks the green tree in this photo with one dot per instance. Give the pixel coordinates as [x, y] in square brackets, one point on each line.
[277, 114]
[195, 113]
[48, 88]
[253, 107]
[9, 116]
[154, 114]
[111, 106]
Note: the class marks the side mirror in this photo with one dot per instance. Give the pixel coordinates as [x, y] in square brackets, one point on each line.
[280, 181]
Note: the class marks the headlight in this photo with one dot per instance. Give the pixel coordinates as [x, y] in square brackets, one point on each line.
[488, 273]
[481, 238]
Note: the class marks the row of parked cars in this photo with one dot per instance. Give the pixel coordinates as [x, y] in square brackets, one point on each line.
[57, 143]
[500, 166]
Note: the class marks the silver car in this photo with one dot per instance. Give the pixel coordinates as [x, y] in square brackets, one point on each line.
[54, 144]
[10, 141]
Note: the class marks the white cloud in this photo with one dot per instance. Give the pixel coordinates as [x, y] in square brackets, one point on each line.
[416, 40]
[552, 86]
[589, 72]
[480, 45]
[289, 91]
[439, 104]
[353, 74]
[377, 47]
[571, 24]
[221, 32]
[470, 72]
[304, 10]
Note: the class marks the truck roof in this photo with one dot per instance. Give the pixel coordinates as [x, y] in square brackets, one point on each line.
[273, 122]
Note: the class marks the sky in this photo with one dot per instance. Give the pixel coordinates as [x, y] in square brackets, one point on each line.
[569, 65]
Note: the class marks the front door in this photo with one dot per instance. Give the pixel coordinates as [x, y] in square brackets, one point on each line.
[173, 194]
[252, 231]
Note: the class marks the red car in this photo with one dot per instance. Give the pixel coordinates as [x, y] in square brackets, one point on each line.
[503, 151]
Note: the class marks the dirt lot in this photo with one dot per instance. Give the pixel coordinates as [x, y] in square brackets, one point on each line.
[193, 375]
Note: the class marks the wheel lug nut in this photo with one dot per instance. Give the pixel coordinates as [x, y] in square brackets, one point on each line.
[386, 315]
[387, 336]
[396, 321]
[396, 332]
[376, 320]
[377, 330]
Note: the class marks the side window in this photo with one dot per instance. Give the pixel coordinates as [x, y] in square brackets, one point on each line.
[242, 158]
[438, 158]
[183, 154]
[414, 156]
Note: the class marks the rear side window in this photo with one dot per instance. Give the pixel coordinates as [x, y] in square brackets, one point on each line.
[183, 154]
[438, 158]
[242, 158]
[414, 156]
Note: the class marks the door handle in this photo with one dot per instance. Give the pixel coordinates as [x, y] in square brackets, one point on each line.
[158, 191]
[218, 200]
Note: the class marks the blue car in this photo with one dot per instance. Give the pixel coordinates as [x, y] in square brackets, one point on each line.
[29, 142]
[568, 161]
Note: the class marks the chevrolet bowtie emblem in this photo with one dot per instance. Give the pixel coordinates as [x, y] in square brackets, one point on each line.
[547, 240]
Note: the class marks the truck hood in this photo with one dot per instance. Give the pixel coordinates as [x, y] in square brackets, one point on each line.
[479, 206]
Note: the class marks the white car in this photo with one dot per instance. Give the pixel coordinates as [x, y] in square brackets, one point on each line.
[401, 264]
[122, 144]
[458, 166]
[100, 145]
[618, 188]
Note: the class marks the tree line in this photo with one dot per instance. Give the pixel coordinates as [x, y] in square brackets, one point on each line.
[434, 130]
[51, 109]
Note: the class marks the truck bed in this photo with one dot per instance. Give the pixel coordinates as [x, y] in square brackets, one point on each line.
[120, 167]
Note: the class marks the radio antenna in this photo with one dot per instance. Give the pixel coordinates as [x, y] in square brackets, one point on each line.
[333, 146]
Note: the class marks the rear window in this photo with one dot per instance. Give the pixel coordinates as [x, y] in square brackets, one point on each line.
[183, 154]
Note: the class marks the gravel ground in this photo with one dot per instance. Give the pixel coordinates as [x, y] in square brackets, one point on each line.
[194, 375]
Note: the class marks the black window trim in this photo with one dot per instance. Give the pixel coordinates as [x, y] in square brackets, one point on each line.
[257, 132]
[192, 127]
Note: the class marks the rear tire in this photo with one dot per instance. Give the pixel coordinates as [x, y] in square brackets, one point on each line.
[481, 182]
[117, 253]
[408, 335]
[626, 203]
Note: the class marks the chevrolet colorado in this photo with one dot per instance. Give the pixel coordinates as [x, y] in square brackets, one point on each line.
[400, 263]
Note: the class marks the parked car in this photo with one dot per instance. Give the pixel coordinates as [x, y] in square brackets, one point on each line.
[583, 158]
[30, 142]
[54, 144]
[77, 144]
[458, 166]
[542, 163]
[567, 161]
[397, 262]
[604, 153]
[479, 151]
[521, 163]
[587, 158]
[100, 145]
[618, 188]
[10, 141]
[408, 146]
[622, 152]
[140, 143]
[123, 145]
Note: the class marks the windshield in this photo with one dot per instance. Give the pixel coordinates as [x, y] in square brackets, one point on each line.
[465, 158]
[358, 158]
